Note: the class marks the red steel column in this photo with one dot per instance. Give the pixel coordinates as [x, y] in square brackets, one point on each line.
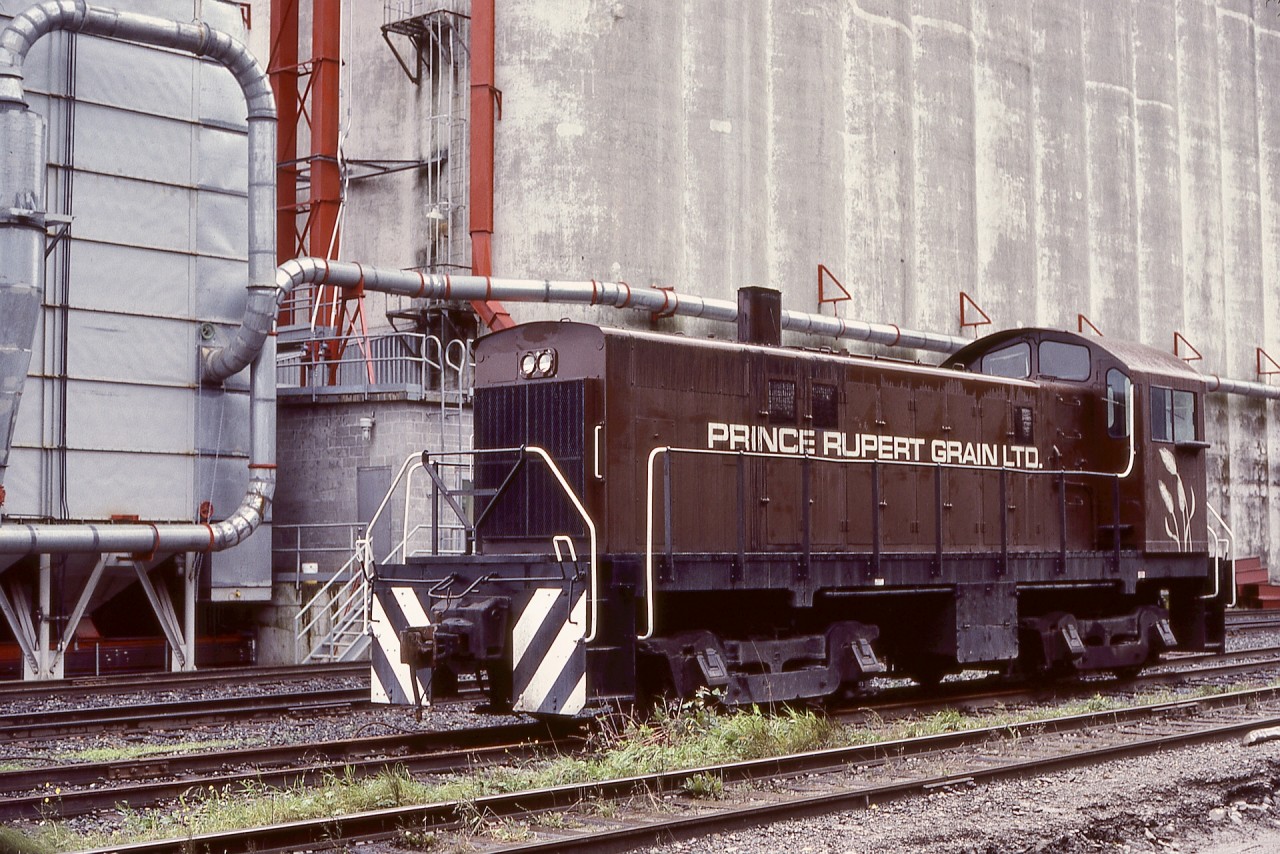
[483, 95]
[283, 68]
[326, 178]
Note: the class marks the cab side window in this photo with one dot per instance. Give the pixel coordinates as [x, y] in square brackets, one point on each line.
[1062, 361]
[1173, 415]
[1013, 361]
[1117, 404]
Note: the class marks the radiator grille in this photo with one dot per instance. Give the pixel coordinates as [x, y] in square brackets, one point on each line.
[549, 415]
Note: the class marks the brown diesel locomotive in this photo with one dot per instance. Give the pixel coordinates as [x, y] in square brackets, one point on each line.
[654, 515]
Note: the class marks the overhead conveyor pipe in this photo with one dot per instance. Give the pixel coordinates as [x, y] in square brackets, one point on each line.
[22, 236]
[887, 334]
[1246, 388]
[657, 301]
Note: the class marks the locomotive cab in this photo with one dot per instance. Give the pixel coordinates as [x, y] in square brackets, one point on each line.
[1138, 413]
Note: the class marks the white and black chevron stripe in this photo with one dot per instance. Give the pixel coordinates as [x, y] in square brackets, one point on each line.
[549, 673]
[396, 609]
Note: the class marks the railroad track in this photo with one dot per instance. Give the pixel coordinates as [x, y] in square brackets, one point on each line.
[85, 787]
[994, 690]
[145, 782]
[1250, 620]
[93, 686]
[19, 726]
[830, 780]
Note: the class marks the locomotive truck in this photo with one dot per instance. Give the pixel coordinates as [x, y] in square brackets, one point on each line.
[652, 515]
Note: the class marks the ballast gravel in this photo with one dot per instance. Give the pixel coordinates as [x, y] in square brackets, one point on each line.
[1211, 799]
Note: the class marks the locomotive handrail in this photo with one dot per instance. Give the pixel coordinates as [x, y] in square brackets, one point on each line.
[1231, 547]
[590, 634]
[651, 477]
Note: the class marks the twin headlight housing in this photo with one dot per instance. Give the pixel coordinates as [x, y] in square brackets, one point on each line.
[535, 364]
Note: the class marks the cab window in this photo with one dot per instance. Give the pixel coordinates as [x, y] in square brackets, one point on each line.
[1173, 415]
[1117, 404]
[1013, 361]
[1063, 361]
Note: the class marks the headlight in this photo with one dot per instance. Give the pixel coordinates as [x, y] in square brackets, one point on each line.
[537, 364]
[528, 364]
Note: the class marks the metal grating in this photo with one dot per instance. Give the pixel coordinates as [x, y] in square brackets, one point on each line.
[549, 415]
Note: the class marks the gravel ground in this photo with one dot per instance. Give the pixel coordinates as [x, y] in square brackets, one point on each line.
[1213, 799]
[312, 729]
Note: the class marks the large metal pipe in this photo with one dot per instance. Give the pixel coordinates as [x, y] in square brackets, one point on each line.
[621, 295]
[436, 286]
[22, 168]
[1246, 388]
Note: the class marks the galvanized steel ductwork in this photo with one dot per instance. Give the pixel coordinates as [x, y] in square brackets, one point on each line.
[663, 303]
[22, 237]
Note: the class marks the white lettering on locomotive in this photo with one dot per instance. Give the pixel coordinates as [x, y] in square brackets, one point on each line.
[762, 439]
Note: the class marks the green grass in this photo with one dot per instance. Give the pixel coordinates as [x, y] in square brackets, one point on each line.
[689, 735]
[139, 751]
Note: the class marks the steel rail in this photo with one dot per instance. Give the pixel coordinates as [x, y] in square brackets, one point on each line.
[33, 725]
[628, 838]
[380, 824]
[1242, 621]
[134, 781]
[84, 686]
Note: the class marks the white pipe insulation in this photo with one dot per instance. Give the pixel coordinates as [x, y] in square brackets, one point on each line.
[22, 237]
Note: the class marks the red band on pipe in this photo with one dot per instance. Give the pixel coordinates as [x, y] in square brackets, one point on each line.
[448, 286]
[593, 291]
[422, 289]
[359, 285]
[209, 528]
[262, 465]
[1217, 383]
[626, 302]
[897, 334]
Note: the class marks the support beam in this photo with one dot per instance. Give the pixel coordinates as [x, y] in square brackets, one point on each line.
[44, 655]
[19, 620]
[162, 606]
[77, 614]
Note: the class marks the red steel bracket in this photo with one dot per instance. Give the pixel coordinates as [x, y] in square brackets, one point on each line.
[1177, 351]
[1082, 322]
[823, 275]
[1264, 355]
[967, 302]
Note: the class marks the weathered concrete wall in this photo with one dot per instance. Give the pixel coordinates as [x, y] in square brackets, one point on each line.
[1051, 158]
[1118, 160]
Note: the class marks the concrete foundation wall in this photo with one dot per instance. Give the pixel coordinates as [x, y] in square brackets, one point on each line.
[321, 448]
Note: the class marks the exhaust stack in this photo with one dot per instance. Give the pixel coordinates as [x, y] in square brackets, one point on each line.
[760, 316]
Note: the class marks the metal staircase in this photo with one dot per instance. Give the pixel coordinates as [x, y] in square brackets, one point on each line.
[334, 624]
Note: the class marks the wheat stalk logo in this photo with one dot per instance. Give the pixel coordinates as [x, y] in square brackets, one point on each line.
[1177, 523]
